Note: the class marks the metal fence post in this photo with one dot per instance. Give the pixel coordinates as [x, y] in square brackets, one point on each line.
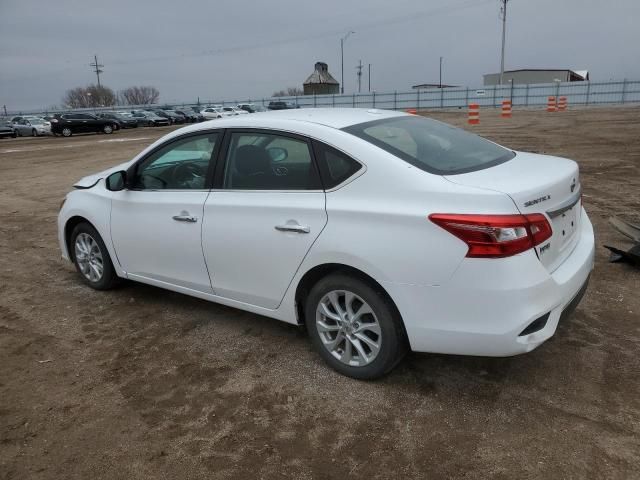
[527, 95]
[418, 99]
[466, 98]
[441, 97]
[557, 91]
[353, 100]
[494, 95]
[395, 100]
[586, 102]
[374, 99]
[296, 100]
[333, 100]
[624, 90]
[314, 100]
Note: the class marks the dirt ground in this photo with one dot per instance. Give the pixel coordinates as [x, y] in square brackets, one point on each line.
[143, 383]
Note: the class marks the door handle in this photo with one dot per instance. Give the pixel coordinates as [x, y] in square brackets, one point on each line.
[185, 218]
[293, 227]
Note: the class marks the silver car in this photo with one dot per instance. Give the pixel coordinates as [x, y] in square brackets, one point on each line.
[34, 127]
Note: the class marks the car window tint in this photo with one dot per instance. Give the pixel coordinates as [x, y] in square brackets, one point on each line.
[257, 161]
[335, 166]
[181, 165]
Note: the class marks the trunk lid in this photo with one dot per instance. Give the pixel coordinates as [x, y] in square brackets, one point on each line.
[538, 184]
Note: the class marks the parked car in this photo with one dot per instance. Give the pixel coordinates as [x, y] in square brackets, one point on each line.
[378, 230]
[7, 130]
[170, 115]
[211, 113]
[66, 124]
[32, 126]
[251, 108]
[150, 119]
[280, 105]
[120, 120]
[234, 111]
[191, 115]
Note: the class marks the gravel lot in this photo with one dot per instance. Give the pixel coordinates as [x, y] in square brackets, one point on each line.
[143, 383]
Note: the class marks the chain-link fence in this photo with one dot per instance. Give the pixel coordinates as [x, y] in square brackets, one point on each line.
[577, 93]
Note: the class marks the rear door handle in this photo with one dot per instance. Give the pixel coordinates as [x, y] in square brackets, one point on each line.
[293, 227]
[185, 218]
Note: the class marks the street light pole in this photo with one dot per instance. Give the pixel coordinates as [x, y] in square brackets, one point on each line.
[440, 84]
[504, 30]
[342, 40]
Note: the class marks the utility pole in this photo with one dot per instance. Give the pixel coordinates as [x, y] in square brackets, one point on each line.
[342, 40]
[359, 73]
[503, 11]
[97, 67]
[369, 77]
[440, 84]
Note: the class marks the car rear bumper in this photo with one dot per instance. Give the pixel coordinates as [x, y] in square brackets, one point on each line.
[487, 304]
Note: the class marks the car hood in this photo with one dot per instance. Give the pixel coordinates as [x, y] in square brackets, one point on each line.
[90, 180]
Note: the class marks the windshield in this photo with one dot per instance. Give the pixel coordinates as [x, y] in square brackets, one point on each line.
[430, 145]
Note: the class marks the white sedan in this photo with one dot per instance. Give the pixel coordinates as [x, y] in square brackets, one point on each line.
[211, 113]
[382, 232]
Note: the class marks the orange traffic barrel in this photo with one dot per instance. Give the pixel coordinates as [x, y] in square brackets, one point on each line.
[412, 111]
[506, 109]
[551, 104]
[474, 114]
[562, 104]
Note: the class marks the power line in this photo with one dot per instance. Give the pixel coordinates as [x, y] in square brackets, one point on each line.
[97, 67]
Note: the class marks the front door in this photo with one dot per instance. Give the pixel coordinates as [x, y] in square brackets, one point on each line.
[156, 223]
[261, 220]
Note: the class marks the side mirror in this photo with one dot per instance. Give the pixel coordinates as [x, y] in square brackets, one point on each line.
[277, 154]
[116, 181]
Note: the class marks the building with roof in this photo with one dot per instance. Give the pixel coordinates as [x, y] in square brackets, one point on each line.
[320, 82]
[537, 75]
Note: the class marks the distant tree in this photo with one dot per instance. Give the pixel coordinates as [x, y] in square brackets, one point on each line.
[289, 92]
[142, 95]
[90, 96]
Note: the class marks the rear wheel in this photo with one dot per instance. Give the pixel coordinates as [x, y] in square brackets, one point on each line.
[34, 133]
[66, 132]
[107, 129]
[354, 327]
[91, 258]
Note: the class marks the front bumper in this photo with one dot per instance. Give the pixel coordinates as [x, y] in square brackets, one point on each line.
[487, 304]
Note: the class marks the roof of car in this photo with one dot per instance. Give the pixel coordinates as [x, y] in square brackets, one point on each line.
[331, 117]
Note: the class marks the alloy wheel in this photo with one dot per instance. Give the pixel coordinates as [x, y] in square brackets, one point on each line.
[89, 257]
[348, 328]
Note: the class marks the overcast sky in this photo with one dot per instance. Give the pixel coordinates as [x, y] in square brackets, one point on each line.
[239, 49]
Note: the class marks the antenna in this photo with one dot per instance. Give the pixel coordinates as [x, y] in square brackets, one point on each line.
[97, 67]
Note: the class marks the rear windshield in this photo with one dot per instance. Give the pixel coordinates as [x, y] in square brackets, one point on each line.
[430, 145]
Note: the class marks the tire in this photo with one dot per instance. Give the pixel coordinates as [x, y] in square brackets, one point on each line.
[97, 271]
[34, 133]
[382, 327]
[107, 129]
[66, 132]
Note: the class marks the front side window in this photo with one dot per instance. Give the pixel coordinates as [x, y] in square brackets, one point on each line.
[432, 146]
[264, 161]
[181, 165]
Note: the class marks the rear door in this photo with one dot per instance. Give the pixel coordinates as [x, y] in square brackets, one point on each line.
[266, 211]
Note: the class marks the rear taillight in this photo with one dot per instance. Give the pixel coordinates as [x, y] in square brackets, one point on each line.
[495, 236]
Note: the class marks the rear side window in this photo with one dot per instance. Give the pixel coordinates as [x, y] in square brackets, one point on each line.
[432, 146]
[335, 167]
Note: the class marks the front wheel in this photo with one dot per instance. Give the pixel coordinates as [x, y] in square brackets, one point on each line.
[107, 129]
[66, 132]
[34, 133]
[91, 258]
[354, 327]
